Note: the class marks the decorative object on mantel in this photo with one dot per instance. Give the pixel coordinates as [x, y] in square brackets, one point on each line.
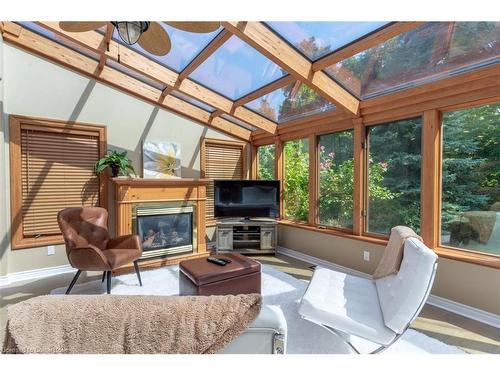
[119, 163]
[161, 159]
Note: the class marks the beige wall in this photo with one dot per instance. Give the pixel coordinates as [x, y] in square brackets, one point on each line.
[35, 87]
[466, 283]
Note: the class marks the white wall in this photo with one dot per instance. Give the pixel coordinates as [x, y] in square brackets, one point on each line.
[36, 87]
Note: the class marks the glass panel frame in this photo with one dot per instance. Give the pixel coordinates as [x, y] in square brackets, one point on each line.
[296, 190]
[393, 176]
[193, 101]
[238, 122]
[266, 162]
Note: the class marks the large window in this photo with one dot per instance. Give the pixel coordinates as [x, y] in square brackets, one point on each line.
[52, 167]
[266, 162]
[470, 216]
[296, 183]
[336, 171]
[394, 161]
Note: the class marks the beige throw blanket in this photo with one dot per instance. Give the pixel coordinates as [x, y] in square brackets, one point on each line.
[128, 324]
[393, 253]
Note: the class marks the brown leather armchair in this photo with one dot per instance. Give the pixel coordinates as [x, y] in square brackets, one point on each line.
[89, 247]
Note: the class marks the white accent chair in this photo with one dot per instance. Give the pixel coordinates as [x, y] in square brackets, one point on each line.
[378, 310]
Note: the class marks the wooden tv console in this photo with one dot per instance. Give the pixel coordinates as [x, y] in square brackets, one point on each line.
[258, 236]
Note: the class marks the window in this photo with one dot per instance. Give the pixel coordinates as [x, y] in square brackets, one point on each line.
[430, 52]
[336, 173]
[296, 182]
[266, 162]
[394, 161]
[52, 167]
[470, 206]
[221, 160]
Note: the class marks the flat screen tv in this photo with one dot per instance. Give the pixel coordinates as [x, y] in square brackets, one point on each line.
[246, 198]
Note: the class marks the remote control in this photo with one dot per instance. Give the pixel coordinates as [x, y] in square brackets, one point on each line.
[225, 260]
[214, 260]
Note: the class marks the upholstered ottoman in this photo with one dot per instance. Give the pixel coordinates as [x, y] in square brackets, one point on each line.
[199, 277]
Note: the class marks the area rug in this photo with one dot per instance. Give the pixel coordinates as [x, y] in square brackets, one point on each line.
[278, 288]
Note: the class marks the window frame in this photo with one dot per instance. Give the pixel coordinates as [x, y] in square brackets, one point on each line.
[16, 122]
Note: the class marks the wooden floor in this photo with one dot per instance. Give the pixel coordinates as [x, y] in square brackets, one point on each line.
[453, 329]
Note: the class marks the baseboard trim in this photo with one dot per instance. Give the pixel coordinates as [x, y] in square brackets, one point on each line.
[34, 274]
[443, 303]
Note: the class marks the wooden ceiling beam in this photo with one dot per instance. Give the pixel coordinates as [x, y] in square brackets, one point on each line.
[365, 43]
[141, 64]
[213, 46]
[105, 45]
[73, 60]
[257, 35]
[278, 84]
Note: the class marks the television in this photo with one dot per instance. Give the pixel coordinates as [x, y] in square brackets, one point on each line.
[247, 198]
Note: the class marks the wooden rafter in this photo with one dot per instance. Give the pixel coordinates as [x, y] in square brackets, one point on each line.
[55, 52]
[105, 45]
[278, 84]
[365, 43]
[141, 64]
[281, 53]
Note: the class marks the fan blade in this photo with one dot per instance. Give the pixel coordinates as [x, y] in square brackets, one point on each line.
[76, 26]
[195, 26]
[155, 40]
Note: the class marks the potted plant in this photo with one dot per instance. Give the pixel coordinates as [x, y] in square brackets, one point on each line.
[119, 163]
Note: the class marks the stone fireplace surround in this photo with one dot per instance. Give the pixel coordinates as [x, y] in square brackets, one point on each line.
[131, 193]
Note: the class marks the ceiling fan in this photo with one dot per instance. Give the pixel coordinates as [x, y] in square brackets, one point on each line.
[151, 36]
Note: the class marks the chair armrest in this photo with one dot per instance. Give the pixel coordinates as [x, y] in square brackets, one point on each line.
[128, 241]
[88, 258]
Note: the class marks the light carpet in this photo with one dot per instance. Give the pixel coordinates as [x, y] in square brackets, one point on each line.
[278, 288]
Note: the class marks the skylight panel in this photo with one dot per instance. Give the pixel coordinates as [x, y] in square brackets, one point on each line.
[317, 39]
[430, 52]
[185, 47]
[236, 69]
[292, 102]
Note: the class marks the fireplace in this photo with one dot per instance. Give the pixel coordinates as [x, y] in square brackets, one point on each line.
[165, 229]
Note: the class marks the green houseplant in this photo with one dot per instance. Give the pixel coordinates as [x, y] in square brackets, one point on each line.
[119, 163]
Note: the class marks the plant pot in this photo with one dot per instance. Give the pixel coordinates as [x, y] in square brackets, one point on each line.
[115, 170]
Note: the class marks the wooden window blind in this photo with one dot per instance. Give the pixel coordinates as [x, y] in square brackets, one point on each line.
[54, 171]
[221, 160]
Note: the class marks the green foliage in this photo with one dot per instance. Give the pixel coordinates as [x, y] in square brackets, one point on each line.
[296, 183]
[266, 162]
[119, 163]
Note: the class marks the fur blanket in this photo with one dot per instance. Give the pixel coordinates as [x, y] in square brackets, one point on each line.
[116, 324]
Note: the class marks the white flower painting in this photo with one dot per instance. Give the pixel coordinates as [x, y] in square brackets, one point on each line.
[161, 159]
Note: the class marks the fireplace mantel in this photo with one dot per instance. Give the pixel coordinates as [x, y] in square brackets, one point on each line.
[132, 191]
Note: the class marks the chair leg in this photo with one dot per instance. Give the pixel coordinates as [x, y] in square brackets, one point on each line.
[136, 266]
[108, 282]
[73, 281]
[103, 276]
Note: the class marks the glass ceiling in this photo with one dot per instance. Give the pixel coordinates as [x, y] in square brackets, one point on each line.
[289, 103]
[192, 101]
[185, 47]
[432, 51]
[317, 39]
[236, 69]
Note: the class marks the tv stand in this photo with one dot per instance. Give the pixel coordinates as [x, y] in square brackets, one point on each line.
[247, 236]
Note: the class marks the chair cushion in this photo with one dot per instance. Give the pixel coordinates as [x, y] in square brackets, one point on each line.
[402, 295]
[121, 257]
[346, 303]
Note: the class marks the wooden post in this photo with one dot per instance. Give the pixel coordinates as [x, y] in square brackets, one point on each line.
[358, 219]
[254, 160]
[430, 181]
[313, 180]
[279, 171]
